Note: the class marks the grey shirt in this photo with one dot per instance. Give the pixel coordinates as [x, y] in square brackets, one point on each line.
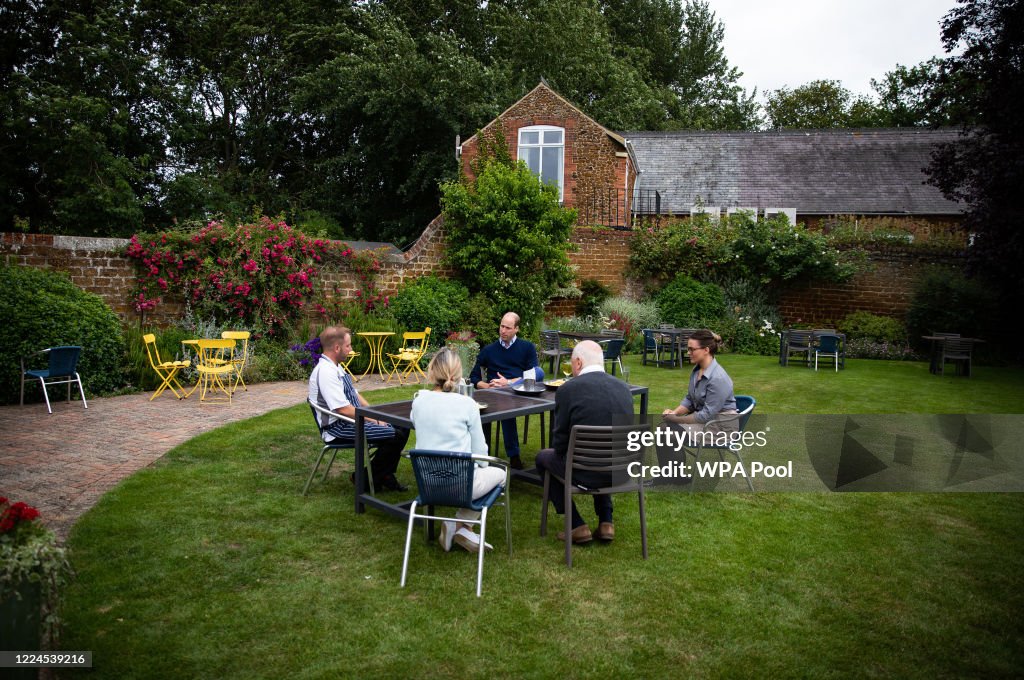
[711, 394]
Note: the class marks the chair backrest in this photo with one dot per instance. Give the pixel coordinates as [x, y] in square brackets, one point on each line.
[605, 449]
[215, 351]
[443, 477]
[956, 345]
[612, 349]
[745, 405]
[945, 335]
[239, 335]
[828, 343]
[151, 349]
[64, 360]
[799, 338]
[824, 331]
[612, 333]
[649, 340]
[663, 326]
[550, 339]
[323, 417]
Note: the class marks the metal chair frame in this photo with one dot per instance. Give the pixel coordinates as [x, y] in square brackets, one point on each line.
[602, 449]
[318, 411]
[215, 362]
[166, 370]
[61, 370]
[406, 361]
[613, 352]
[445, 478]
[238, 362]
[827, 345]
[745, 405]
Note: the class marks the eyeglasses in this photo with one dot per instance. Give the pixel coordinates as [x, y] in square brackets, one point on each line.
[693, 349]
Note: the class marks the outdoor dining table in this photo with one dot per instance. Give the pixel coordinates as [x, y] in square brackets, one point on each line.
[375, 340]
[936, 348]
[502, 404]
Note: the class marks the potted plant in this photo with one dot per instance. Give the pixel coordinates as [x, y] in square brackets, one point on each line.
[33, 571]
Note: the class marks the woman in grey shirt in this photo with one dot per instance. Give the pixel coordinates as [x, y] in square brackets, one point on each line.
[710, 391]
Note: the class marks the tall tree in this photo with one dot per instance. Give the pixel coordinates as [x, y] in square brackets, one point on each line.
[820, 104]
[904, 96]
[984, 77]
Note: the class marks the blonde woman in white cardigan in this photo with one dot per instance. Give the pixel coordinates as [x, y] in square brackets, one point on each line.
[448, 421]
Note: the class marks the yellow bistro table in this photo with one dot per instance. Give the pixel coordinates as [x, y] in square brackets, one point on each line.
[375, 340]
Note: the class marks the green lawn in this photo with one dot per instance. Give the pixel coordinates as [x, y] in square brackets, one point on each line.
[212, 564]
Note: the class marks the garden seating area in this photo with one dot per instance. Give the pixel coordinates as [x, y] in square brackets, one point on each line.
[179, 570]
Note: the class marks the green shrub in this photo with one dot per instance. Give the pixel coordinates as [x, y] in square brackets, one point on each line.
[688, 303]
[881, 329]
[744, 334]
[43, 309]
[946, 301]
[631, 318]
[430, 301]
[697, 247]
[482, 319]
[592, 294]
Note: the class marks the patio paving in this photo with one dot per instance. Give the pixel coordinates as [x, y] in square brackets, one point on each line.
[62, 463]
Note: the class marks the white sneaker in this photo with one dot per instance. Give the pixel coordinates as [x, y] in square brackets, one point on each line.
[447, 534]
[470, 541]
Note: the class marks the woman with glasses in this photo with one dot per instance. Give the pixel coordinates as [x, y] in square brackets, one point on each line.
[710, 391]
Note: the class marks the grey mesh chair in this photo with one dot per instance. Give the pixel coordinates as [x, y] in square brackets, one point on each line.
[446, 478]
[323, 418]
[551, 349]
[62, 370]
[598, 450]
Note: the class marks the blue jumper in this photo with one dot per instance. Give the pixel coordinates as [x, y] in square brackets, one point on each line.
[511, 363]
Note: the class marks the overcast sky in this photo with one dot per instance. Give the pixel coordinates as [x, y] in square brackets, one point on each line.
[777, 43]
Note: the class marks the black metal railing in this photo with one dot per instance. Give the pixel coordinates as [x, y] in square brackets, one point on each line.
[616, 209]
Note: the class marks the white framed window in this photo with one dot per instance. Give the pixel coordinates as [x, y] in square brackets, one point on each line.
[712, 211]
[788, 212]
[737, 210]
[542, 147]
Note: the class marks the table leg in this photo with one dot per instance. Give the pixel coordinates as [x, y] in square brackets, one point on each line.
[360, 468]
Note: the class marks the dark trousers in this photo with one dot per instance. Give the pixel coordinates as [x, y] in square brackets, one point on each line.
[389, 453]
[548, 460]
[511, 435]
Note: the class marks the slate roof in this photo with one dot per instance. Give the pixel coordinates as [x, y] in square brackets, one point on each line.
[824, 172]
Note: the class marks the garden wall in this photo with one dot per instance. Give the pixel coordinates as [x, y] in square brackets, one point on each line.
[97, 265]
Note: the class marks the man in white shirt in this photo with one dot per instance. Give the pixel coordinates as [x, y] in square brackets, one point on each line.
[331, 387]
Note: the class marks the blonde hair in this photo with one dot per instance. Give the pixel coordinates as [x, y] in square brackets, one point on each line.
[445, 370]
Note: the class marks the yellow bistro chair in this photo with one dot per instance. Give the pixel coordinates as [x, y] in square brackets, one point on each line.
[240, 358]
[406, 361]
[167, 370]
[216, 364]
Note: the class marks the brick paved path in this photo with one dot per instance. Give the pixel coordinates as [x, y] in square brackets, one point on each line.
[63, 463]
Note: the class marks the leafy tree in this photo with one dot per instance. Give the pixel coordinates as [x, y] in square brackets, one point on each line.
[508, 237]
[904, 96]
[984, 77]
[821, 104]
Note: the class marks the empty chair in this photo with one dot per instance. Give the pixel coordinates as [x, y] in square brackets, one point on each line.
[324, 418]
[601, 450]
[166, 370]
[957, 350]
[745, 406]
[656, 344]
[611, 333]
[62, 369]
[613, 352]
[827, 345]
[240, 358]
[446, 478]
[936, 353]
[799, 342]
[216, 368]
[551, 349]
[406, 361]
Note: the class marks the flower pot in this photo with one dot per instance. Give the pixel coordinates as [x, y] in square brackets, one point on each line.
[19, 625]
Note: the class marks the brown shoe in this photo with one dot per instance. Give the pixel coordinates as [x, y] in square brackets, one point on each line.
[580, 534]
[605, 532]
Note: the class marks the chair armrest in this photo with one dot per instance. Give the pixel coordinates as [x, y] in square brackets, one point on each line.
[491, 460]
[320, 409]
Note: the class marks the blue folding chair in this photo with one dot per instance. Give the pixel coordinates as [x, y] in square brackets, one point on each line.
[446, 478]
[62, 370]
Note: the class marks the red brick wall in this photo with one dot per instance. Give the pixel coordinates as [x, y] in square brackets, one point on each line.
[98, 265]
[594, 163]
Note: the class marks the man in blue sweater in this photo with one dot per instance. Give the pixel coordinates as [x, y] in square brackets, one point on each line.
[505, 360]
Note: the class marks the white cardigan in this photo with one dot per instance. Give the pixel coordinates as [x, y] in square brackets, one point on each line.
[447, 421]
